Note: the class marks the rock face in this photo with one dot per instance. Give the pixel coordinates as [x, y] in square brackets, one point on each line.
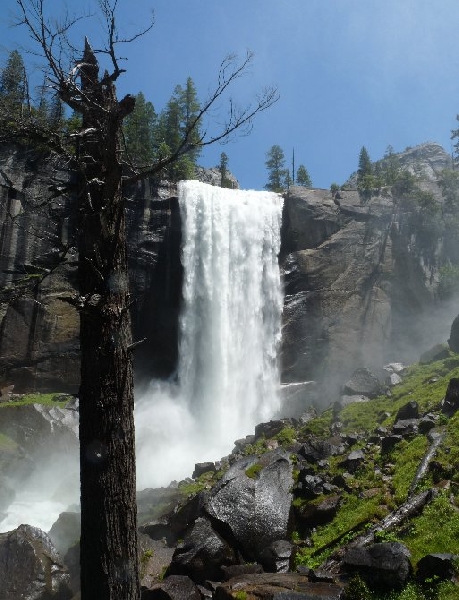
[385, 565]
[355, 295]
[39, 326]
[30, 567]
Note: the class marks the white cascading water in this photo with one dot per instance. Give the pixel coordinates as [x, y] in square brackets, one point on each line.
[229, 333]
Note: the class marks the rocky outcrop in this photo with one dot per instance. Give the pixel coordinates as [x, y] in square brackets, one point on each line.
[355, 293]
[30, 567]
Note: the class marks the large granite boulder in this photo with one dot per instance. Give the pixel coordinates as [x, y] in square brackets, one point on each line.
[201, 554]
[252, 502]
[30, 567]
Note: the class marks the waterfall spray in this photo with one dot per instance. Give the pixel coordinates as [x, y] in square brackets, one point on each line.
[230, 323]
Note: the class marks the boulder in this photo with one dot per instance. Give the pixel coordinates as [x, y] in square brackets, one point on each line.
[410, 410]
[382, 566]
[311, 514]
[427, 423]
[65, 532]
[406, 427]
[316, 449]
[252, 502]
[201, 554]
[30, 567]
[276, 558]
[309, 486]
[353, 461]
[439, 566]
[363, 382]
[174, 587]
[269, 429]
[389, 442]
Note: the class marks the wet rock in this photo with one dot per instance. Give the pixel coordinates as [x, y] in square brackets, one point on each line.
[363, 382]
[202, 554]
[384, 566]
[436, 565]
[65, 532]
[30, 567]
[174, 587]
[276, 558]
[252, 502]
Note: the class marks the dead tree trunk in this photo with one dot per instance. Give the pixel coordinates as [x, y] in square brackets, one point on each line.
[109, 567]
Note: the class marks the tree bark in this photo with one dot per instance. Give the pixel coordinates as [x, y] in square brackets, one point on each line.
[109, 564]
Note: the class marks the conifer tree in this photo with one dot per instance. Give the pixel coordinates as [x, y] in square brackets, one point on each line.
[181, 115]
[13, 84]
[365, 166]
[275, 163]
[302, 177]
[138, 129]
[223, 168]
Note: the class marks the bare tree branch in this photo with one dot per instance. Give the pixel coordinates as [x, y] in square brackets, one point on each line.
[238, 119]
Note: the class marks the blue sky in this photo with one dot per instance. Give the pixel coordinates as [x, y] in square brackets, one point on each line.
[349, 72]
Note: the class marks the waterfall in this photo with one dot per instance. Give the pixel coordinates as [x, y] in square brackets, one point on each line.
[228, 378]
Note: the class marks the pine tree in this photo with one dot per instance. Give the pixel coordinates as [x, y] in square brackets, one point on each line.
[178, 121]
[275, 163]
[223, 168]
[390, 166]
[13, 84]
[138, 129]
[366, 181]
[365, 166]
[302, 177]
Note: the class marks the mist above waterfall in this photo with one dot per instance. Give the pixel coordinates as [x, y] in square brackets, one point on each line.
[230, 328]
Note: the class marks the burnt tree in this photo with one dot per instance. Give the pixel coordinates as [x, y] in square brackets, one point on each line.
[107, 444]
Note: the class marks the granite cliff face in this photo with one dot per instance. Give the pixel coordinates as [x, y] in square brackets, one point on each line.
[353, 290]
[39, 347]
